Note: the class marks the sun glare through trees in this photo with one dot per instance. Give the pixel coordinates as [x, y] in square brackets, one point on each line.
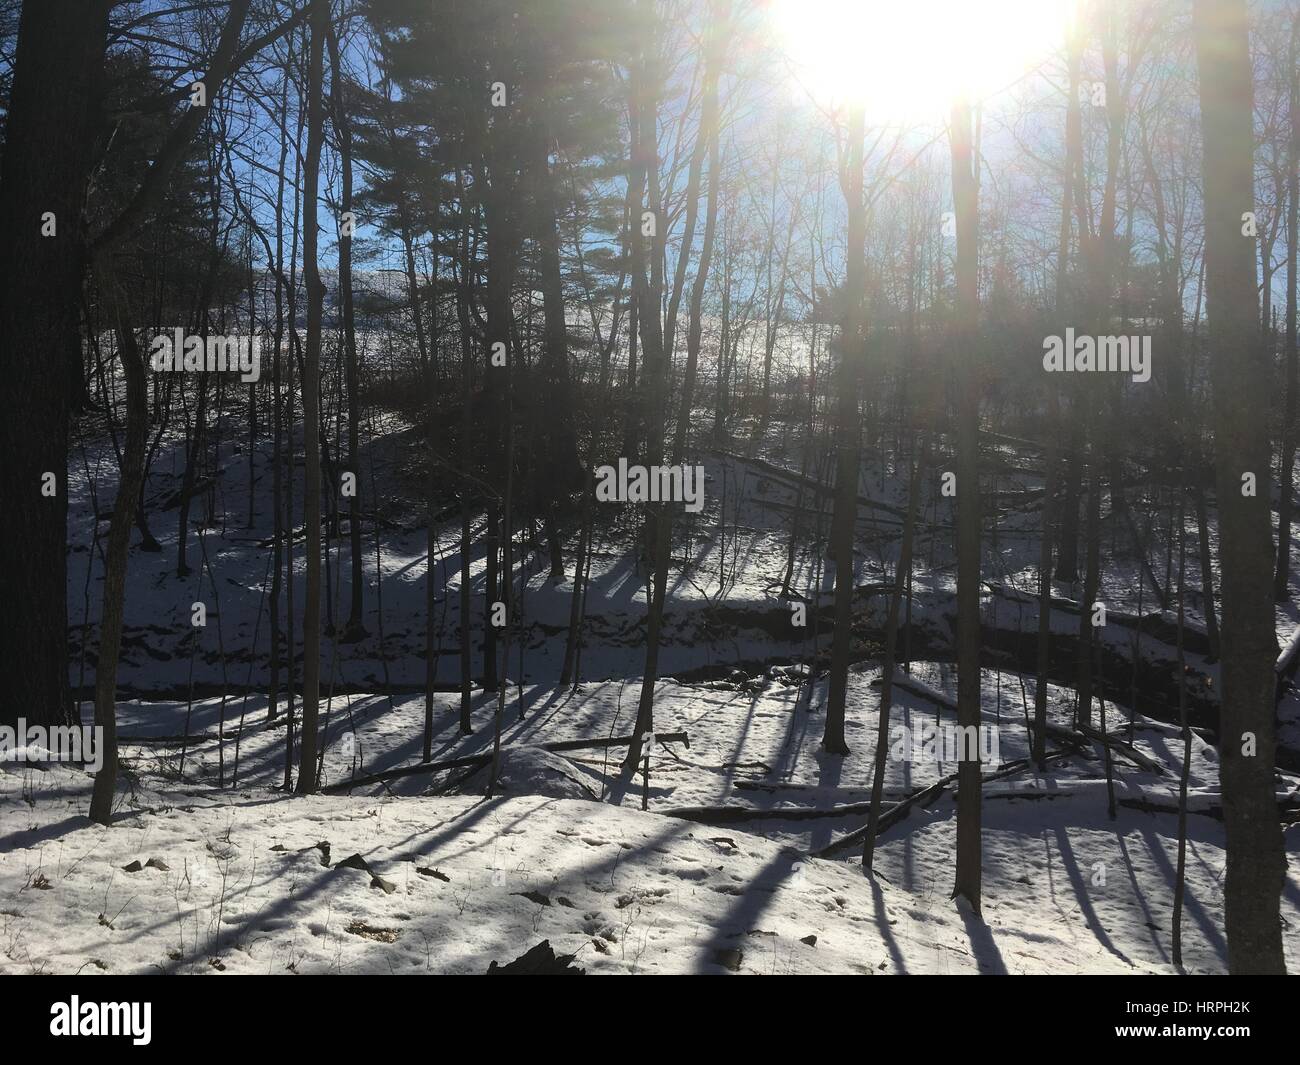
[776, 487]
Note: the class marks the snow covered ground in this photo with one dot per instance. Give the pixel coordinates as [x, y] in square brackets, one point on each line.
[239, 880]
[717, 873]
[725, 608]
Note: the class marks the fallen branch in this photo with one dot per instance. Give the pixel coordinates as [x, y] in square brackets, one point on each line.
[924, 797]
[1114, 743]
[734, 814]
[725, 815]
[819, 487]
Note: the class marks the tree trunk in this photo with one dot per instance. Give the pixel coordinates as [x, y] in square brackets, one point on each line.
[1045, 597]
[559, 438]
[1255, 860]
[354, 629]
[46, 162]
[661, 543]
[466, 453]
[847, 438]
[116, 558]
[500, 223]
[965, 203]
[311, 403]
[1183, 776]
[1091, 581]
[649, 296]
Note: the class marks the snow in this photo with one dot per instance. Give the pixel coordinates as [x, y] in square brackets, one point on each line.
[716, 875]
[238, 882]
[529, 770]
[244, 890]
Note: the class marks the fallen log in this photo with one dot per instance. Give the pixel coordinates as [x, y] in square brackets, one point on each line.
[876, 521]
[1114, 743]
[735, 814]
[924, 797]
[924, 692]
[1287, 811]
[726, 815]
[1153, 625]
[779, 473]
[1085, 733]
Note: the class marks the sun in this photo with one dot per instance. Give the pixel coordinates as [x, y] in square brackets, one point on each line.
[907, 60]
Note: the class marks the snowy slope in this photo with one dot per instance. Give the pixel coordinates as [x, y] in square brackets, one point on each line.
[245, 888]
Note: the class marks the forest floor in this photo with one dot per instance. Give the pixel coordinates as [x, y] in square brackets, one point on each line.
[716, 873]
[714, 876]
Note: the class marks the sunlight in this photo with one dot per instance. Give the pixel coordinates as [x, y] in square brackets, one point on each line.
[906, 60]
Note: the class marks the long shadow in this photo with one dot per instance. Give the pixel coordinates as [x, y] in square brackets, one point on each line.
[831, 769]
[729, 772]
[1080, 886]
[886, 929]
[622, 782]
[455, 826]
[1192, 906]
[237, 931]
[31, 837]
[1150, 922]
[749, 907]
[795, 734]
[557, 701]
[503, 948]
[479, 809]
[983, 947]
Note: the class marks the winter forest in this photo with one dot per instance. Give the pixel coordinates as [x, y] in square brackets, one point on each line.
[649, 487]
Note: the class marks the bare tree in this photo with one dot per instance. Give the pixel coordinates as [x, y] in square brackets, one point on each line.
[311, 399]
[852, 343]
[965, 341]
[1247, 741]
